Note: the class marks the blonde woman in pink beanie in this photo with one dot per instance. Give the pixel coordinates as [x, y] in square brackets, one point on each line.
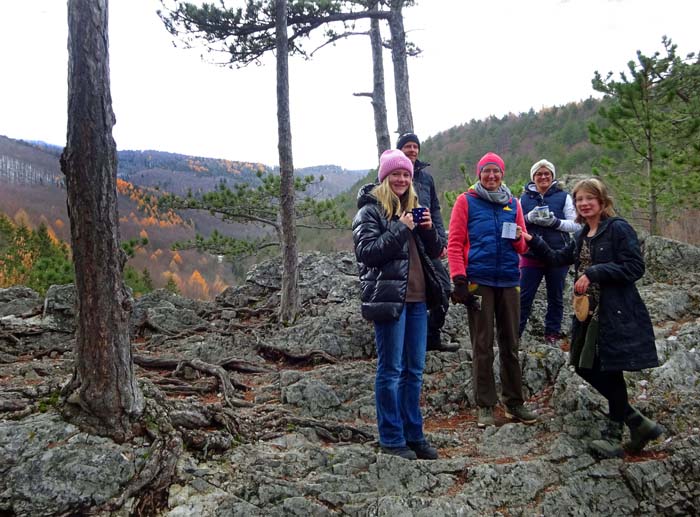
[394, 242]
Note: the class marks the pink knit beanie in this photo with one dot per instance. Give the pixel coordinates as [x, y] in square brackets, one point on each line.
[391, 160]
[490, 159]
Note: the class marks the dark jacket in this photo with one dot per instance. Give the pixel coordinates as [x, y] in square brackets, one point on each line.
[381, 249]
[424, 185]
[625, 335]
[555, 199]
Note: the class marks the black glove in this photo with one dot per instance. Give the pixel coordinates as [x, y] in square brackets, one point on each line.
[460, 293]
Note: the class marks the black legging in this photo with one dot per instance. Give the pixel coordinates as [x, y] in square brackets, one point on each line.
[613, 387]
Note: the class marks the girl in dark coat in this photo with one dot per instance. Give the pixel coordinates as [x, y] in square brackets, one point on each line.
[615, 333]
[398, 284]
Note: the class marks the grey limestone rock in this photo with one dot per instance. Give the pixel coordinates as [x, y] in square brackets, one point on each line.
[60, 307]
[50, 467]
[272, 459]
[19, 300]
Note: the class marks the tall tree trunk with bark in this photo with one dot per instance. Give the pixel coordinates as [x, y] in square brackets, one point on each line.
[399, 58]
[381, 127]
[103, 394]
[290, 291]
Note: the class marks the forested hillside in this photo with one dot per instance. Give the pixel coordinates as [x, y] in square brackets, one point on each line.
[32, 195]
[559, 133]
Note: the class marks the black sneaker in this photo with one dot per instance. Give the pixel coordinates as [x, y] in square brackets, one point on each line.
[401, 452]
[423, 450]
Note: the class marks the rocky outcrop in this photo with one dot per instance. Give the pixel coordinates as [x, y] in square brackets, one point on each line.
[297, 433]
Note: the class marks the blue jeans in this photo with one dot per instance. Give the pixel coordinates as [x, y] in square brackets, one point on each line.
[530, 279]
[400, 362]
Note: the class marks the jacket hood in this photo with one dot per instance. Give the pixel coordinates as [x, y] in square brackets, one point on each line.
[364, 195]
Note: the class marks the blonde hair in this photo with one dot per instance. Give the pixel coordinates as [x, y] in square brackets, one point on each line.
[598, 189]
[391, 203]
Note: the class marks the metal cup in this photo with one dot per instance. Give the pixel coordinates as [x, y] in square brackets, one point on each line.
[418, 214]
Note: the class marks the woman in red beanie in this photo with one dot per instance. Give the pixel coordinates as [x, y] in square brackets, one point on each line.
[483, 259]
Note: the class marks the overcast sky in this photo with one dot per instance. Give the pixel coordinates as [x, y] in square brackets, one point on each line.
[480, 58]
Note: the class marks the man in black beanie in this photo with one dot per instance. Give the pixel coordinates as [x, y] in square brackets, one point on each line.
[427, 196]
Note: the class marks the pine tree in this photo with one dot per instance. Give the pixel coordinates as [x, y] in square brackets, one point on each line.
[147, 280]
[171, 285]
[281, 26]
[651, 133]
[53, 264]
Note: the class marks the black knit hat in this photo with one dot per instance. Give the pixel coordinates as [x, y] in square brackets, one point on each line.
[405, 138]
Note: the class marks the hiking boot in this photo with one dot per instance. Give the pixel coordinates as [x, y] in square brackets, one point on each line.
[642, 431]
[435, 344]
[401, 452]
[485, 417]
[609, 445]
[423, 450]
[552, 340]
[521, 413]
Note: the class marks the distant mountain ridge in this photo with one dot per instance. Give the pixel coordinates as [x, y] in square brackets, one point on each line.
[152, 168]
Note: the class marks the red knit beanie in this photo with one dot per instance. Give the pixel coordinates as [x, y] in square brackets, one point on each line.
[490, 159]
[392, 160]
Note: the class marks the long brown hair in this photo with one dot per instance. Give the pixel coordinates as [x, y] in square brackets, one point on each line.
[598, 189]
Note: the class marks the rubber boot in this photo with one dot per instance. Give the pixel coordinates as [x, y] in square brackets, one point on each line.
[610, 443]
[642, 431]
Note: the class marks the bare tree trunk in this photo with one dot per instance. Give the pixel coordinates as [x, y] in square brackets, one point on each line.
[290, 293]
[398, 56]
[103, 386]
[381, 127]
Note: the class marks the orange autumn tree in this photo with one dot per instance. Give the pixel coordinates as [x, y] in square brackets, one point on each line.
[198, 286]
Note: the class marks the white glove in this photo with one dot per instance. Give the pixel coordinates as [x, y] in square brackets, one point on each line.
[542, 218]
[535, 216]
[549, 220]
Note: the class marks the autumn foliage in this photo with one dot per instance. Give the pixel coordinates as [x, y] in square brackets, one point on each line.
[147, 205]
[34, 258]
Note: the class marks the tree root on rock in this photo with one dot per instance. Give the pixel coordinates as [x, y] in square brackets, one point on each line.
[272, 421]
[218, 372]
[227, 387]
[149, 488]
[10, 337]
[230, 363]
[272, 353]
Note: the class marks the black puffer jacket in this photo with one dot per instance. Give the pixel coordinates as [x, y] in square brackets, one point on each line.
[625, 335]
[381, 249]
